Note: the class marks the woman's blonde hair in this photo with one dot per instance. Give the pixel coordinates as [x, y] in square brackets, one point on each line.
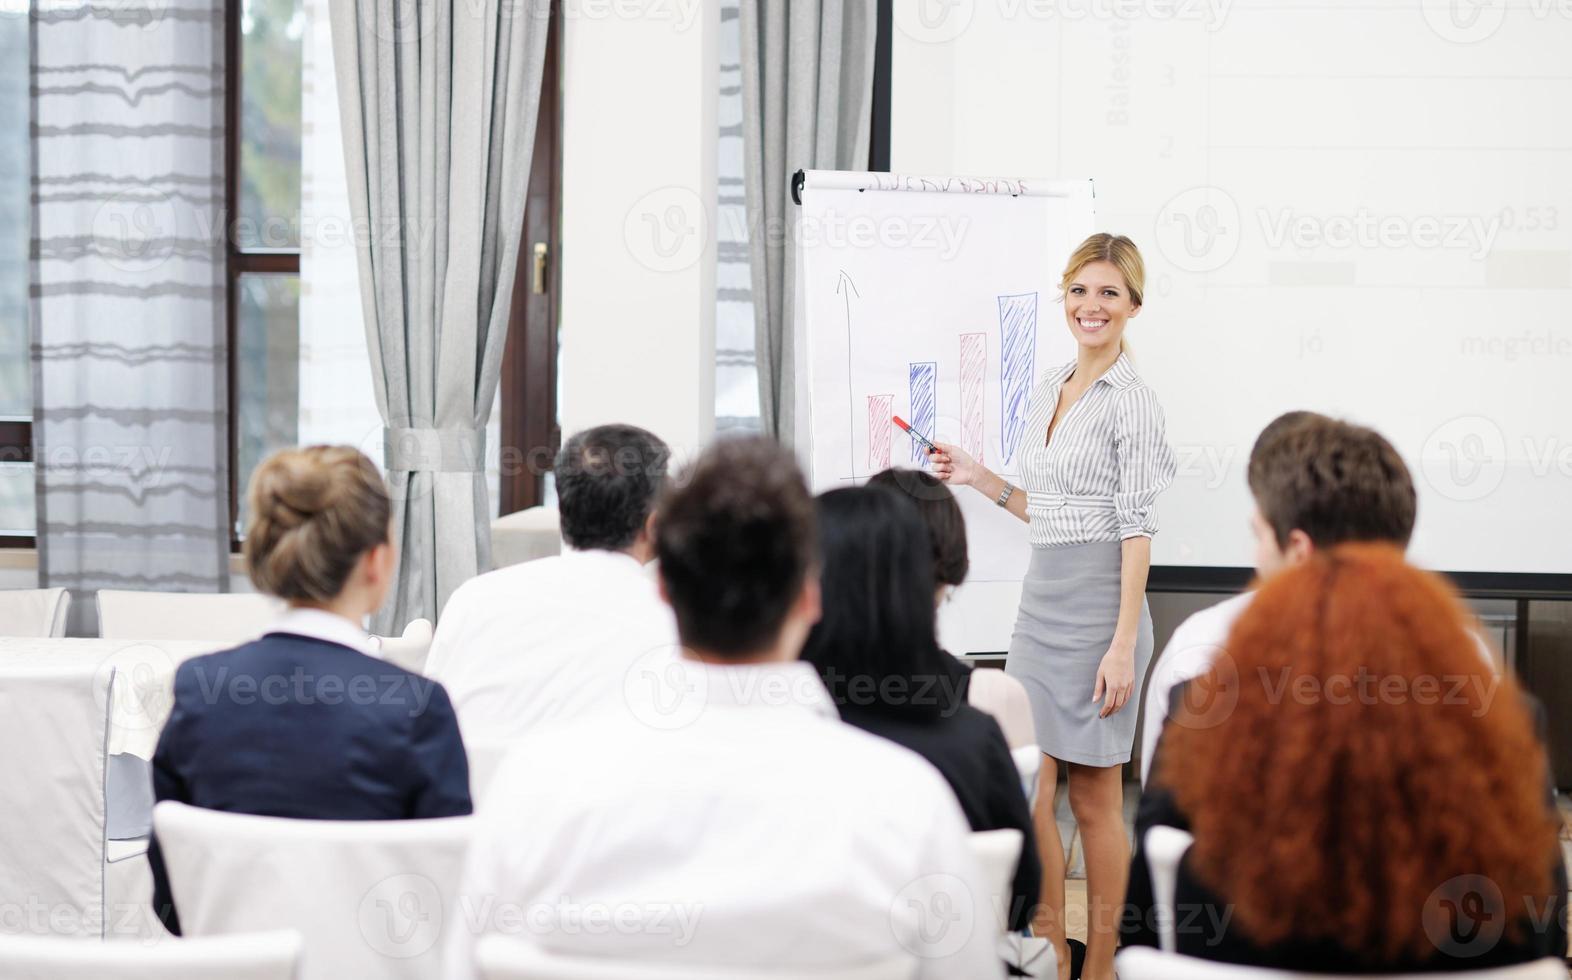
[1116, 249]
[314, 512]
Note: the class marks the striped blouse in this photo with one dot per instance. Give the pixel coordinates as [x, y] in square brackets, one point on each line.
[1099, 477]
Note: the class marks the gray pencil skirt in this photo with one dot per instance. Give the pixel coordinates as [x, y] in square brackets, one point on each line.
[1069, 607]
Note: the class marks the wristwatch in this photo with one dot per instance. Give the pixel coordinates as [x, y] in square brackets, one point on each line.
[1004, 495]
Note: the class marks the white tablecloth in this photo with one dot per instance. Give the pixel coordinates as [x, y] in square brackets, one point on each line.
[144, 679]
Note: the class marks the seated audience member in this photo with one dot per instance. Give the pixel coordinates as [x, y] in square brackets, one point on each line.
[989, 689]
[1366, 795]
[555, 636]
[1317, 482]
[875, 650]
[723, 815]
[306, 722]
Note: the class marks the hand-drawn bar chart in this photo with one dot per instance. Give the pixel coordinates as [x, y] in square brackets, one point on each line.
[924, 384]
[974, 369]
[881, 415]
[1018, 351]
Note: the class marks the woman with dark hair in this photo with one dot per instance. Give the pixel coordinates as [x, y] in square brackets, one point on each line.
[990, 689]
[1366, 795]
[875, 649]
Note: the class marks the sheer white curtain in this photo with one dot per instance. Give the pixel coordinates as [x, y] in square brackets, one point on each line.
[128, 295]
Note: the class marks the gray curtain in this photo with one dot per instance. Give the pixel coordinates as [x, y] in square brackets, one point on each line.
[807, 85]
[128, 295]
[438, 101]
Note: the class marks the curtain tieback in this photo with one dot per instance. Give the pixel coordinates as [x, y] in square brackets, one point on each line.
[434, 450]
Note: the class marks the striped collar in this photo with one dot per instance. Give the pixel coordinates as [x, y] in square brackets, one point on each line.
[1120, 374]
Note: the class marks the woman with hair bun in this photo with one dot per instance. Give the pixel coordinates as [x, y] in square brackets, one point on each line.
[306, 721]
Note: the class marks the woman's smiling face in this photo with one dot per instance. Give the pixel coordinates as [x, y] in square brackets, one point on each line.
[1096, 305]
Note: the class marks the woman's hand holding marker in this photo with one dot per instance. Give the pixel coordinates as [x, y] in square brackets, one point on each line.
[954, 465]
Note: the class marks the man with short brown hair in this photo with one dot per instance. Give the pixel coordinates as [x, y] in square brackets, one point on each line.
[1317, 482]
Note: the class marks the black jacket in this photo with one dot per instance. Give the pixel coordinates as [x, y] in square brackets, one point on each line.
[969, 750]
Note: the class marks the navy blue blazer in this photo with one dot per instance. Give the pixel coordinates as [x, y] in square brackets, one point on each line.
[294, 726]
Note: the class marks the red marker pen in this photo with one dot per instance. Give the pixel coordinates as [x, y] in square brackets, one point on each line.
[915, 434]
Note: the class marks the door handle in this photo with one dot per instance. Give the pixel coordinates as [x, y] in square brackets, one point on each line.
[539, 283]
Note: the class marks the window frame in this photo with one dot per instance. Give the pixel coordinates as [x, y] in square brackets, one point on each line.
[238, 261]
[16, 446]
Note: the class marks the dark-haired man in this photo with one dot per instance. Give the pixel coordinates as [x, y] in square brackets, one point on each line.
[553, 637]
[723, 815]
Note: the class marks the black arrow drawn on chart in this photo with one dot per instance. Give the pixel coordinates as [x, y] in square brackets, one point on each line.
[844, 287]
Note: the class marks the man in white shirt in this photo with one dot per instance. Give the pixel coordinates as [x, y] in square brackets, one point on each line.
[554, 637]
[721, 813]
[1317, 482]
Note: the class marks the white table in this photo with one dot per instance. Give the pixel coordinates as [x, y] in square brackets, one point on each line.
[144, 679]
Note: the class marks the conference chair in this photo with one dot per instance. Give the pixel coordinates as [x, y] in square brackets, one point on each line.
[223, 617]
[507, 958]
[1029, 763]
[371, 898]
[54, 721]
[408, 650]
[524, 535]
[260, 956]
[1164, 849]
[34, 612]
[1145, 963]
[997, 853]
[1003, 697]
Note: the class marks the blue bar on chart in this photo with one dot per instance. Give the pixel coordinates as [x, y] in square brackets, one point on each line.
[1018, 353]
[924, 392]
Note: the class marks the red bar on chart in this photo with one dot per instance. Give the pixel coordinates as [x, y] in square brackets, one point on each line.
[974, 367]
[880, 411]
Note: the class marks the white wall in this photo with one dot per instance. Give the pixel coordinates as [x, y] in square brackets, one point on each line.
[1354, 209]
[638, 201]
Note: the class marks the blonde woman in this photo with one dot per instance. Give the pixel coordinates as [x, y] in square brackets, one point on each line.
[1094, 461]
[305, 722]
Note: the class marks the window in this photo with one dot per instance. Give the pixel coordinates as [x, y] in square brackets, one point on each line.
[266, 51]
[16, 383]
[298, 364]
[736, 361]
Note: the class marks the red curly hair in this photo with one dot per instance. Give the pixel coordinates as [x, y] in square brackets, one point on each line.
[1366, 756]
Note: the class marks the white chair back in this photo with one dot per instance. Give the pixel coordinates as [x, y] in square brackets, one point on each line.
[370, 897]
[223, 617]
[408, 650]
[1164, 848]
[54, 723]
[507, 958]
[1003, 697]
[525, 535]
[484, 758]
[1029, 763]
[1145, 963]
[34, 612]
[262, 956]
[997, 853]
